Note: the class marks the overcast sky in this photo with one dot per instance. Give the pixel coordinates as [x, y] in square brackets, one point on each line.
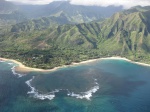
[125, 3]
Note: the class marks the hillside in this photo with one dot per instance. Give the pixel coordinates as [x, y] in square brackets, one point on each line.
[73, 13]
[11, 14]
[7, 7]
[124, 34]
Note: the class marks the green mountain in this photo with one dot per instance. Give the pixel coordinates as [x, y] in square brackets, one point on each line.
[55, 13]
[73, 13]
[40, 24]
[6, 7]
[124, 34]
[9, 15]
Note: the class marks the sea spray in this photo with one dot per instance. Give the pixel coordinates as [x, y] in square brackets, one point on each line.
[15, 73]
[88, 94]
[36, 94]
[10, 63]
[13, 69]
[51, 95]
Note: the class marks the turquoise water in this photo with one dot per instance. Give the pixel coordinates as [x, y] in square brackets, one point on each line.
[101, 86]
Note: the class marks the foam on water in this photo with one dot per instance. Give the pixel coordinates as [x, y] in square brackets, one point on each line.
[1, 61]
[15, 73]
[51, 95]
[88, 94]
[13, 69]
[10, 63]
[36, 94]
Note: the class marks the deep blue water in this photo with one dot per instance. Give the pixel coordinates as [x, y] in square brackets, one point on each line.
[114, 86]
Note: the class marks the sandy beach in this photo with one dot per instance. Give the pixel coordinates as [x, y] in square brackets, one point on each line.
[24, 69]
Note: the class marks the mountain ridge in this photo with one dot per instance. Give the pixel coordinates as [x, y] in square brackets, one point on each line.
[59, 12]
[124, 34]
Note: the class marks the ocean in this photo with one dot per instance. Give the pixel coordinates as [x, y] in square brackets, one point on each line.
[99, 86]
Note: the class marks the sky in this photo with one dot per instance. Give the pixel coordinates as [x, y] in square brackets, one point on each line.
[124, 3]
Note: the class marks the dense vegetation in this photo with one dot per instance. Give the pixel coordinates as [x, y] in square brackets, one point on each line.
[60, 12]
[125, 34]
[51, 58]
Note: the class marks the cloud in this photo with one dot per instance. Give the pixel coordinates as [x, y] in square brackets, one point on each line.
[33, 2]
[124, 3]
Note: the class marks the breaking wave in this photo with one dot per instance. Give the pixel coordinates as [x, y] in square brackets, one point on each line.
[34, 93]
[13, 69]
[15, 73]
[2, 61]
[88, 94]
[51, 95]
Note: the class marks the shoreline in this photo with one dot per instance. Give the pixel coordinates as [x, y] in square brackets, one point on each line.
[24, 69]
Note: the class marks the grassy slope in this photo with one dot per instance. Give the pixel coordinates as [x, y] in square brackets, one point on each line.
[124, 34]
[60, 12]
